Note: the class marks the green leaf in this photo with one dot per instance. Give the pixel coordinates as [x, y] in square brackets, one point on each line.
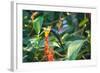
[26, 41]
[83, 22]
[57, 36]
[35, 42]
[55, 44]
[64, 36]
[74, 49]
[37, 24]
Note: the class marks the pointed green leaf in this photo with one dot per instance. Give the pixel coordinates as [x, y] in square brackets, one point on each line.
[83, 22]
[74, 49]
[37, 24]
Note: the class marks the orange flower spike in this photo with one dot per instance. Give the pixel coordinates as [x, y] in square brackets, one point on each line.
[50, 55]
[46, 31]
[48, 51]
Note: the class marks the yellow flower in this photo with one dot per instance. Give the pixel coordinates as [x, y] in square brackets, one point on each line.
[47, 31]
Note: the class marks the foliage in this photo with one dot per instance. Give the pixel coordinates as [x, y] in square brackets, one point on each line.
[56, 36]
